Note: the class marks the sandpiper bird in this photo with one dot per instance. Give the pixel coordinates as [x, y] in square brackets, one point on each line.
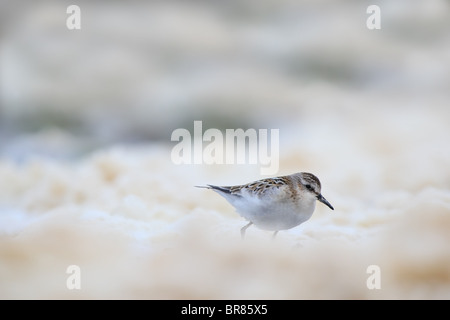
[275, 204]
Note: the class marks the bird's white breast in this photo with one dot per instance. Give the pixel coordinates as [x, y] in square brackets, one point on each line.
[274, 212]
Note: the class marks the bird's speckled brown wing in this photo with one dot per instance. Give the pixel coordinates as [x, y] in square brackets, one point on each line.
[261, 186]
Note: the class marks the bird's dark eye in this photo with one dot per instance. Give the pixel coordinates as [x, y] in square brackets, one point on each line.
[308, 186]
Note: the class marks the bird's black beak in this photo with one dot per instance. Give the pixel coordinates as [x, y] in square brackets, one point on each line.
[324, 201]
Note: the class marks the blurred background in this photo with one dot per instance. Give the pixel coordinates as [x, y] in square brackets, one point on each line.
[86, 118]
[137, 71]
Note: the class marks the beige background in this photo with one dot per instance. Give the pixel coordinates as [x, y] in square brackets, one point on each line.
[85, 168]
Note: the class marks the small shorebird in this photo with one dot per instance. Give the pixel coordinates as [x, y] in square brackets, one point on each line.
[275, 204]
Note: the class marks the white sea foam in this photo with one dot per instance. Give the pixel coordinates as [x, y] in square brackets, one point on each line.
[137, 227]
[367, 112]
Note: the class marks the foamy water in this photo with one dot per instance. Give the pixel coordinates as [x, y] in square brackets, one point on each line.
[137, 228]
[372, 125]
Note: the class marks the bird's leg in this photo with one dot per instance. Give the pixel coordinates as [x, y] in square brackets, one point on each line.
[274, 235]
[245, 228]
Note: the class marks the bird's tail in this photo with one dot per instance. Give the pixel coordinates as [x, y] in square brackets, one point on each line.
[205, 187]
[222, 189]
